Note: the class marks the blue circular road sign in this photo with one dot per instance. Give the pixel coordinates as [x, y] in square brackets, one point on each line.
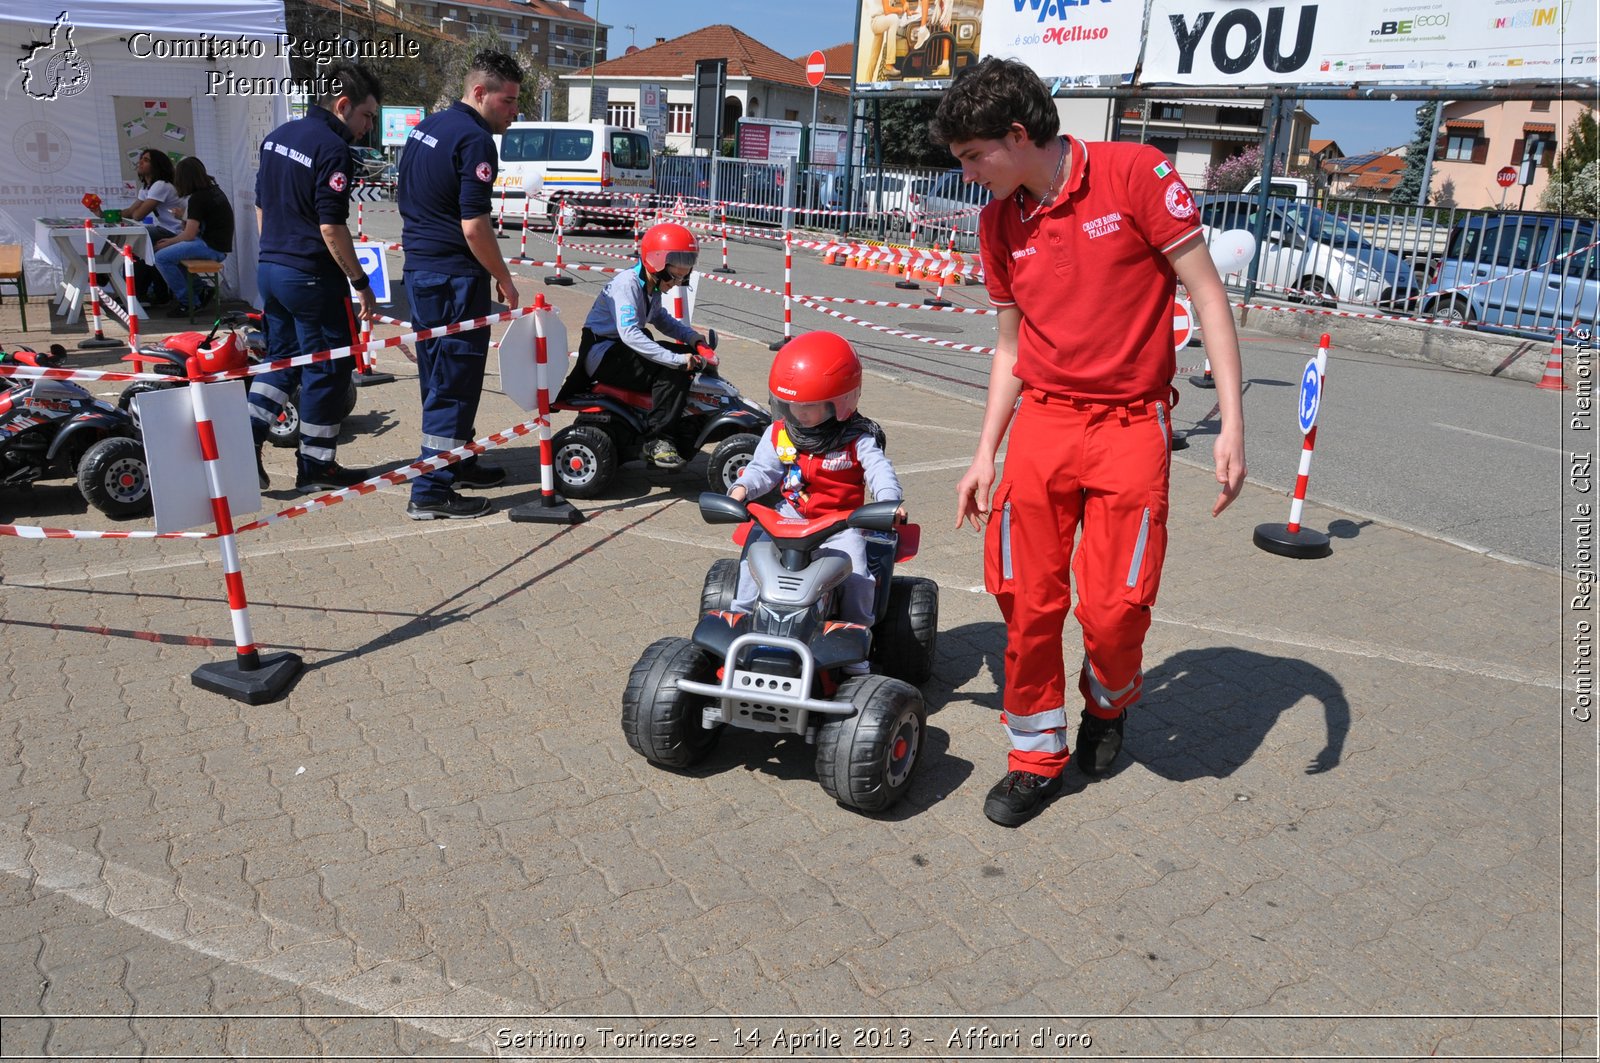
[1310, 396]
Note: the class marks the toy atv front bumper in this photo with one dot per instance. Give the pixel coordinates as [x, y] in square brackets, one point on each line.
[770, 700]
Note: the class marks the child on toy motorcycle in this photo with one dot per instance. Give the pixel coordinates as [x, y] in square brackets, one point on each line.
[823, 456]
[616, 348]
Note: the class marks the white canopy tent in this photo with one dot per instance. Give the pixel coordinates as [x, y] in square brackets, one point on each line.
[94, 81]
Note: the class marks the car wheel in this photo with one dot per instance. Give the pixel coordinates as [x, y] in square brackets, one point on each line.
[728, 461]
[866, 760]
[284, 430]
[115, 478]
[1454, 311]
[661, 722]
[903, 642]
[585, 460]
[1317, 292]
[722, 583]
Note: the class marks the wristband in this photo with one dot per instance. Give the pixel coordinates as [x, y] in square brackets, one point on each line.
[361, 283]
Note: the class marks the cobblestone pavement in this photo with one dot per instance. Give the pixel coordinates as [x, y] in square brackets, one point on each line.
[1355, 818]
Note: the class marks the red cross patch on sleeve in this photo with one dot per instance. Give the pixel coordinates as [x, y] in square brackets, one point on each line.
[337, 182]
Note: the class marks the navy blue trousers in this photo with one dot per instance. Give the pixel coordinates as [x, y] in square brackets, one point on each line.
[304, 313]
[449, 368]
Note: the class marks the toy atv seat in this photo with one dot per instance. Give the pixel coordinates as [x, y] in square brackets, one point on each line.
[783, 668]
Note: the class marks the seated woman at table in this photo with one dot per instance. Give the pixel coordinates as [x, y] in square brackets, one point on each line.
[207, 233]
[158, 200]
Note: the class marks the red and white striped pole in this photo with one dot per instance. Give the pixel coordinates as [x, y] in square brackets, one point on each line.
[249, 677]
[946, 264]
[135, 308]
[361, 220]
[1291, 540]
[99, 338]
[500, 217]
[724, 268]
[551, 507]
[522, 251]
[788, 291]
[559, 277]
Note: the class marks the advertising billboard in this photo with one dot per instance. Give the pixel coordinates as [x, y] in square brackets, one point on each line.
[398, 123]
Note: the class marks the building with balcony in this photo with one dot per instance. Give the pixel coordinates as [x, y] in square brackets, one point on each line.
[1196, 134]
[555, 33]
[1477, 138]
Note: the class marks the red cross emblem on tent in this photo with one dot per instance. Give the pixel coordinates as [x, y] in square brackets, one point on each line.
[1182, 323]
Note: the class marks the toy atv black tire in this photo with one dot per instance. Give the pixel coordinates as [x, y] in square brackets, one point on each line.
[722, 583]
[661, 722]
[729, 460]
[903, 642]
[285, 430]
[115, 478]
[866, 760]
[585, 460]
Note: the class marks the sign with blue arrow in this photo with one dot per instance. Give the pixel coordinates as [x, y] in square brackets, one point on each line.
[1310, 396]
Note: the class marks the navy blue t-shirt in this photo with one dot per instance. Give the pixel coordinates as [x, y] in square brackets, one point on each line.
[447, 176]
[303, 183]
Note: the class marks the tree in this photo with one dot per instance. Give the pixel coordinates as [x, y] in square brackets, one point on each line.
[1234, 172]
[1572, 176]
[1410, 187]
[434, 75]
[903, 130]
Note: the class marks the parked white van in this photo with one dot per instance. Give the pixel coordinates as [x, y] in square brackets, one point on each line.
[570, 166]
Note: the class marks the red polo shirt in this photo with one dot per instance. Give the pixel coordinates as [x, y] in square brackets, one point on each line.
[1090, 274]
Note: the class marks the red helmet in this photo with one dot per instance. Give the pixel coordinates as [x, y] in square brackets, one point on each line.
[668, 244]
[819, 367]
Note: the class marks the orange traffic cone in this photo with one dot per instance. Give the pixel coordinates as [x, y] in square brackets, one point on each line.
[1553, 380]
[831, 257]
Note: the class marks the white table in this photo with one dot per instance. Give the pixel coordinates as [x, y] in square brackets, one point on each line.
[64, 239]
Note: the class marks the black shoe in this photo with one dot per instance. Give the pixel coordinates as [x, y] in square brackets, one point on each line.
[479, 474]
[663, 453]
[261, 470]
[1099, 742]
[331, 477]
[455, 507]
[1019, 797]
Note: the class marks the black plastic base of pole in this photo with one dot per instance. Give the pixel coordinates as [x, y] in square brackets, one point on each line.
[724, 269]
[941, 303]
[371, 380]
[1203, 382]
[269, 682]
[95, 342]
[562, 280]
[777, 344]
[1180, 441]
[1304, 544]
[549, 509]
[910, 286]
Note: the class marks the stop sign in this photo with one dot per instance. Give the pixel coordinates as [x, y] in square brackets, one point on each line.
[1506, 176]
[816, 68]
[1182, 323]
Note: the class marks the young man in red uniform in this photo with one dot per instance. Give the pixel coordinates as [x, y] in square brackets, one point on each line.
[1081, 248]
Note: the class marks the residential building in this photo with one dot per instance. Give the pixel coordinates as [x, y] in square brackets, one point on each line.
[1196, 134]
[556, 33]
[1478, 138]
[1374, 175]
[762, 83]
[1317, 153]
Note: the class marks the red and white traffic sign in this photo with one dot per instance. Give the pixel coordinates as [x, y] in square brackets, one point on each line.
[1506, 176]
[816, 68]
[1182, 323]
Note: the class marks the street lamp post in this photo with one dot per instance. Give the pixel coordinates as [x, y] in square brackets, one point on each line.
[594, 47]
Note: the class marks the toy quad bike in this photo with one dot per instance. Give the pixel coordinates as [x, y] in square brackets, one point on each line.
[56, 428]
[610, 429]
[782, 668]
[172, 353]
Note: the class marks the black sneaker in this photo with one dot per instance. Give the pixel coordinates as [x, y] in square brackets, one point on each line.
[261, 470]
[663, 454]
[1099, 742]
[455, 507]
[479, 474]
[331, 477]
[1019, 797]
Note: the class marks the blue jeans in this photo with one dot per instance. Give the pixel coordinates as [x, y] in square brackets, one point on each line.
[169, 259]
[449, 368]
[304, 313]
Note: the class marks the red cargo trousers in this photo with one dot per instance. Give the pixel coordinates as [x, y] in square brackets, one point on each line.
[1074, 464]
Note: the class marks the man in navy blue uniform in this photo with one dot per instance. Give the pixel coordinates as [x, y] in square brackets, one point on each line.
[307, 267]
[447, 176]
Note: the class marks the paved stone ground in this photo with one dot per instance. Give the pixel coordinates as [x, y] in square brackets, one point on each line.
[1355, 819]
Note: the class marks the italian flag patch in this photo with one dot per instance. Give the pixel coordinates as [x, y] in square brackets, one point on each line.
[1163, 170]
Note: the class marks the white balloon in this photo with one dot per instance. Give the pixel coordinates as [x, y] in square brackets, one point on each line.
[1232, 250]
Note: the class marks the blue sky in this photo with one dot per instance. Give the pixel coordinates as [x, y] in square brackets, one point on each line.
[797, 28]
